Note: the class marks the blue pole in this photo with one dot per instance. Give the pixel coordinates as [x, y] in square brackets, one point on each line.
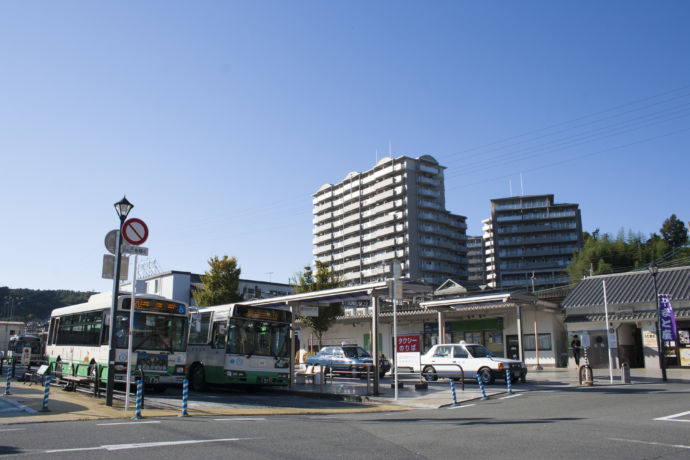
[46, 393]
[481, 386]
[140, 399]
[185, 397]
[452, 391]
[510, 391]
[9, 378]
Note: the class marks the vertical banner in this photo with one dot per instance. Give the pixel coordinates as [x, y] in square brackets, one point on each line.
[668, 319]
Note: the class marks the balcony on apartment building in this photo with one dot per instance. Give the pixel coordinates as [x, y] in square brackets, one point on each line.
[534, 239]
[535, 216]
[432, 181]
[554, 226]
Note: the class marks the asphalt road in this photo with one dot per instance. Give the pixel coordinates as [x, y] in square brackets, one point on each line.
[613, 422]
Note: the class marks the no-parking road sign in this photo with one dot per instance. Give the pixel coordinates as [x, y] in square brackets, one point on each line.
[135, 231]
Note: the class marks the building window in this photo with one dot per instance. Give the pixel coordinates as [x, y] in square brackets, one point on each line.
[544, 342]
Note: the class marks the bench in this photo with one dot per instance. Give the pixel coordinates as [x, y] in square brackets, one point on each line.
[310, 372]
[72, 382]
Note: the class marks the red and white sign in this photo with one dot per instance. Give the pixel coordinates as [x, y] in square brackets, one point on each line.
[408, 344]
[135, 231]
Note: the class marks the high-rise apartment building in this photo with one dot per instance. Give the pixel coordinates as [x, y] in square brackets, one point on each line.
[394, 211]
[476, 259]
[529, 241]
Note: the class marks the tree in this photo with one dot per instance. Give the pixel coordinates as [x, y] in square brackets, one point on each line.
[220, 282]
[674, 232]
[325, 278]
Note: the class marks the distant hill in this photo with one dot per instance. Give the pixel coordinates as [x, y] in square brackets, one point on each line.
[36, 305]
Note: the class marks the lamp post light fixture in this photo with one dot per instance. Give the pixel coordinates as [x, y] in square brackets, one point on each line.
[654, 270]
[122, 208]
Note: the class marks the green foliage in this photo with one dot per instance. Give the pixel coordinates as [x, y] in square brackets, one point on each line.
[674, 232]
[30, 304]
[325, 278]
[602, 254]
[220, 282]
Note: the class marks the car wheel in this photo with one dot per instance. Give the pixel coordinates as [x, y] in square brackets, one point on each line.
[197, 378]
[486, 376]
[429, 374]
[514, 379]
[523, 378]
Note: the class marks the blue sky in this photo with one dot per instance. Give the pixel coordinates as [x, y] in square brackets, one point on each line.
[220, 119]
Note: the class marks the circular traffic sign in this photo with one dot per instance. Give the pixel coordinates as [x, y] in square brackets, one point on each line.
[135, 231]
[111, 241]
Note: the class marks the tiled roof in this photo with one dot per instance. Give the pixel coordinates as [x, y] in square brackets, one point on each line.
[629, 288]
[624, 316]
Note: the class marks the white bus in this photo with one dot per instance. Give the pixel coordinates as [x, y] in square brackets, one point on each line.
[79, 335]
[239, 345]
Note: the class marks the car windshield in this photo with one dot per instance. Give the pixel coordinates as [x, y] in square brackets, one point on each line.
[356, 352]
[478, 351]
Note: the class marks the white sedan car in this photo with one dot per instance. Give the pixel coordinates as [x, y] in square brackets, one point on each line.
[475, 360]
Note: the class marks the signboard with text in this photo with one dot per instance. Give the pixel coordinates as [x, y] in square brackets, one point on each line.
[409, 351]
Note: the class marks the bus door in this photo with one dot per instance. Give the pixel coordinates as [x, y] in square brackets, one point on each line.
[218, 340]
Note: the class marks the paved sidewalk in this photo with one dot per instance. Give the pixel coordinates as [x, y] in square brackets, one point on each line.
[25, 402]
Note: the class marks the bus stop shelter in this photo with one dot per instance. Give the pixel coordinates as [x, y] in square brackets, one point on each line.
[372, 292]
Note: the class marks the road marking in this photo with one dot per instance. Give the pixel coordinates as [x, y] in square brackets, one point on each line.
[127, 423]
[669, 418]
[652, 443]
[464, 405]
[13, 429]
[142, 445]
[511, 396]
[240, 419]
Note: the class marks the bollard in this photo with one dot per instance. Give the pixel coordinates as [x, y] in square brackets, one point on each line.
[140, 399]
[625, 372]
[46, 393]
[481, 386]
[185, 395]
[9, 378]
[508, 379]
[586, 376]
[452, 392]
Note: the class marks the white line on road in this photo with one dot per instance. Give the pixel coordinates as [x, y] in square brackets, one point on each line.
[240, 419]
[13, 429]
[670, 418]
[511, 396]
[143, 445]
[464, 405]
[128, 423]
[652, 443]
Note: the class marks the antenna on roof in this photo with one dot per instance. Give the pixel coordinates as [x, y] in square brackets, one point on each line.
[377, 156]
[510, 184]
[522, 188]
[390, 149]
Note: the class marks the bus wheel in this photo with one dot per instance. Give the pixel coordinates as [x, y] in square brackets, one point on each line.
[197, 378]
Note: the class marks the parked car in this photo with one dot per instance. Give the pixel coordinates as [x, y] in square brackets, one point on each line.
[347, 359]
[475, 360]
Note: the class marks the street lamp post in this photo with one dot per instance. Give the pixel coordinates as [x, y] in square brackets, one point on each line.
[654, 270]
[122, 208]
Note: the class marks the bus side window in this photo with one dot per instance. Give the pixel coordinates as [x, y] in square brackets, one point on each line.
[219, 331]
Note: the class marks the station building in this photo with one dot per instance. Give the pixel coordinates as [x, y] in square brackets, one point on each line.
[632, 317]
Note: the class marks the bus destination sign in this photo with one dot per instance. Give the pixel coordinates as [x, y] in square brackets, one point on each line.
[155, 305]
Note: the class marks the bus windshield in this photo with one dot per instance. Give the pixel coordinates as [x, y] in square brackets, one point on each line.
[152, 332]
[18, 343]
[256, 337]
